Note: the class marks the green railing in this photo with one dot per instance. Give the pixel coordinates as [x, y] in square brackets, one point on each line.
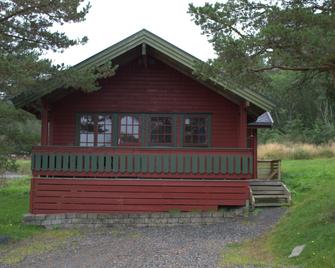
[56, 161]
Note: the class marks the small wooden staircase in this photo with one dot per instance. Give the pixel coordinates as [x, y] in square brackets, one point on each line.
[266, 193]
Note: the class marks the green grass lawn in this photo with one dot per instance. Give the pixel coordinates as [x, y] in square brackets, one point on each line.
[14, 202]
[24, 240]
[310, 221]
[24, 166]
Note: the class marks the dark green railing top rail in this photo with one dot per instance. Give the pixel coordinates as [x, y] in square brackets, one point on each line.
[151, 163]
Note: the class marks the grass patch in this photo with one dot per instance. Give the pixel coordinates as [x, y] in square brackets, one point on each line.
[310, 221]
[24, 166]
[236, 255]
[25, 240]
[14, 202]
[39, 244]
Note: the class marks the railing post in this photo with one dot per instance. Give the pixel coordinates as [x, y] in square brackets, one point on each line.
[243, 125]
[44, 121]
[254, 150]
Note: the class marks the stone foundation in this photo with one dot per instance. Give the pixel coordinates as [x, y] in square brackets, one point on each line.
[93, 220]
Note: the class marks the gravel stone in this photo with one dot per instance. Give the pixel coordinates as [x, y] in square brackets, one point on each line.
[183, 246]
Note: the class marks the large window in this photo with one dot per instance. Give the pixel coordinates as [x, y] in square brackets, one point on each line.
[134, 129]
[196, 130]
[129, 129]
[161, 130]
[95, 130]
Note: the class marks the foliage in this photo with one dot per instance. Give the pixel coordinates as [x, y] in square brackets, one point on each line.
[283, 50]
[27, 30]
[309, 221]
[19, 130]
[251, 36]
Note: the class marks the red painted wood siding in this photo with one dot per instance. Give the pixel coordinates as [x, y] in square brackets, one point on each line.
[159, 89]
[77, 195]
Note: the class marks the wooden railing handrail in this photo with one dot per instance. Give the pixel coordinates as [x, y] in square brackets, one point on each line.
[59, 148]
[268, 160]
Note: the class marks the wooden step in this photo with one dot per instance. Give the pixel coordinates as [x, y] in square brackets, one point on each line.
[265, 183]
[270, 196]
[267, 192]
[279, 187]
[271, 204]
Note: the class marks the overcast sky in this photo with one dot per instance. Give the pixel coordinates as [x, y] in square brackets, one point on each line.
[111, 21]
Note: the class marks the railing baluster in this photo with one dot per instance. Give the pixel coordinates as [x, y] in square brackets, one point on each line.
[158, 163]
[251, 164]
[180, 163]
[137, 163]
[101, 163]
[116, 161]
[223, 164]
[144, 163]
[151, 163]
[216, 164]
[209, 164]
[187, 163]
[173, 162]
[245, 164]
[130, 163]
[79, 167]
[166, 163]
[231, 164]
[237, 164]
[195, 164]
[123, 159]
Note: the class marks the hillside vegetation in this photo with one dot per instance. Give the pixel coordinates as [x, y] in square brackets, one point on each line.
[310, 221]
[295, 151]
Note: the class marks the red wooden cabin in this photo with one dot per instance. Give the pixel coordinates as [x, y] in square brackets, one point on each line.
[153, 138]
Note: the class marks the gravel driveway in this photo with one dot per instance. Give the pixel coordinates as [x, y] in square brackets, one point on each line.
[181, 246]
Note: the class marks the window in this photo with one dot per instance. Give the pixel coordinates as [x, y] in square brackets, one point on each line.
[86, 130]
[161, 130]
[129, 129]
[104, 130]
[195, 130]
[123, 129]
[95, 130]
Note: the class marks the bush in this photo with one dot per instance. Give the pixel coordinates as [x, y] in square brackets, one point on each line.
[7, 164]
[300, 153]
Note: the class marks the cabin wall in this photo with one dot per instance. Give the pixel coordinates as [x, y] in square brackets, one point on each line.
[155, 89]
[113, 196]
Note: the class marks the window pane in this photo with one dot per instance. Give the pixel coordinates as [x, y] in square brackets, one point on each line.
[94, 128]
[195, 131]
[161, 130]
[129, 129]
[86, 130]
[104, 130]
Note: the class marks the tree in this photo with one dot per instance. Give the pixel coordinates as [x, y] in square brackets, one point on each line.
[252, 37]
[26, 31]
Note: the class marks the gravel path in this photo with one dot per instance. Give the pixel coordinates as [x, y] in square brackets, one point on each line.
[180, 246]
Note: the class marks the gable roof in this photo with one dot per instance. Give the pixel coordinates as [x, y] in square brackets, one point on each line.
[163, 47]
